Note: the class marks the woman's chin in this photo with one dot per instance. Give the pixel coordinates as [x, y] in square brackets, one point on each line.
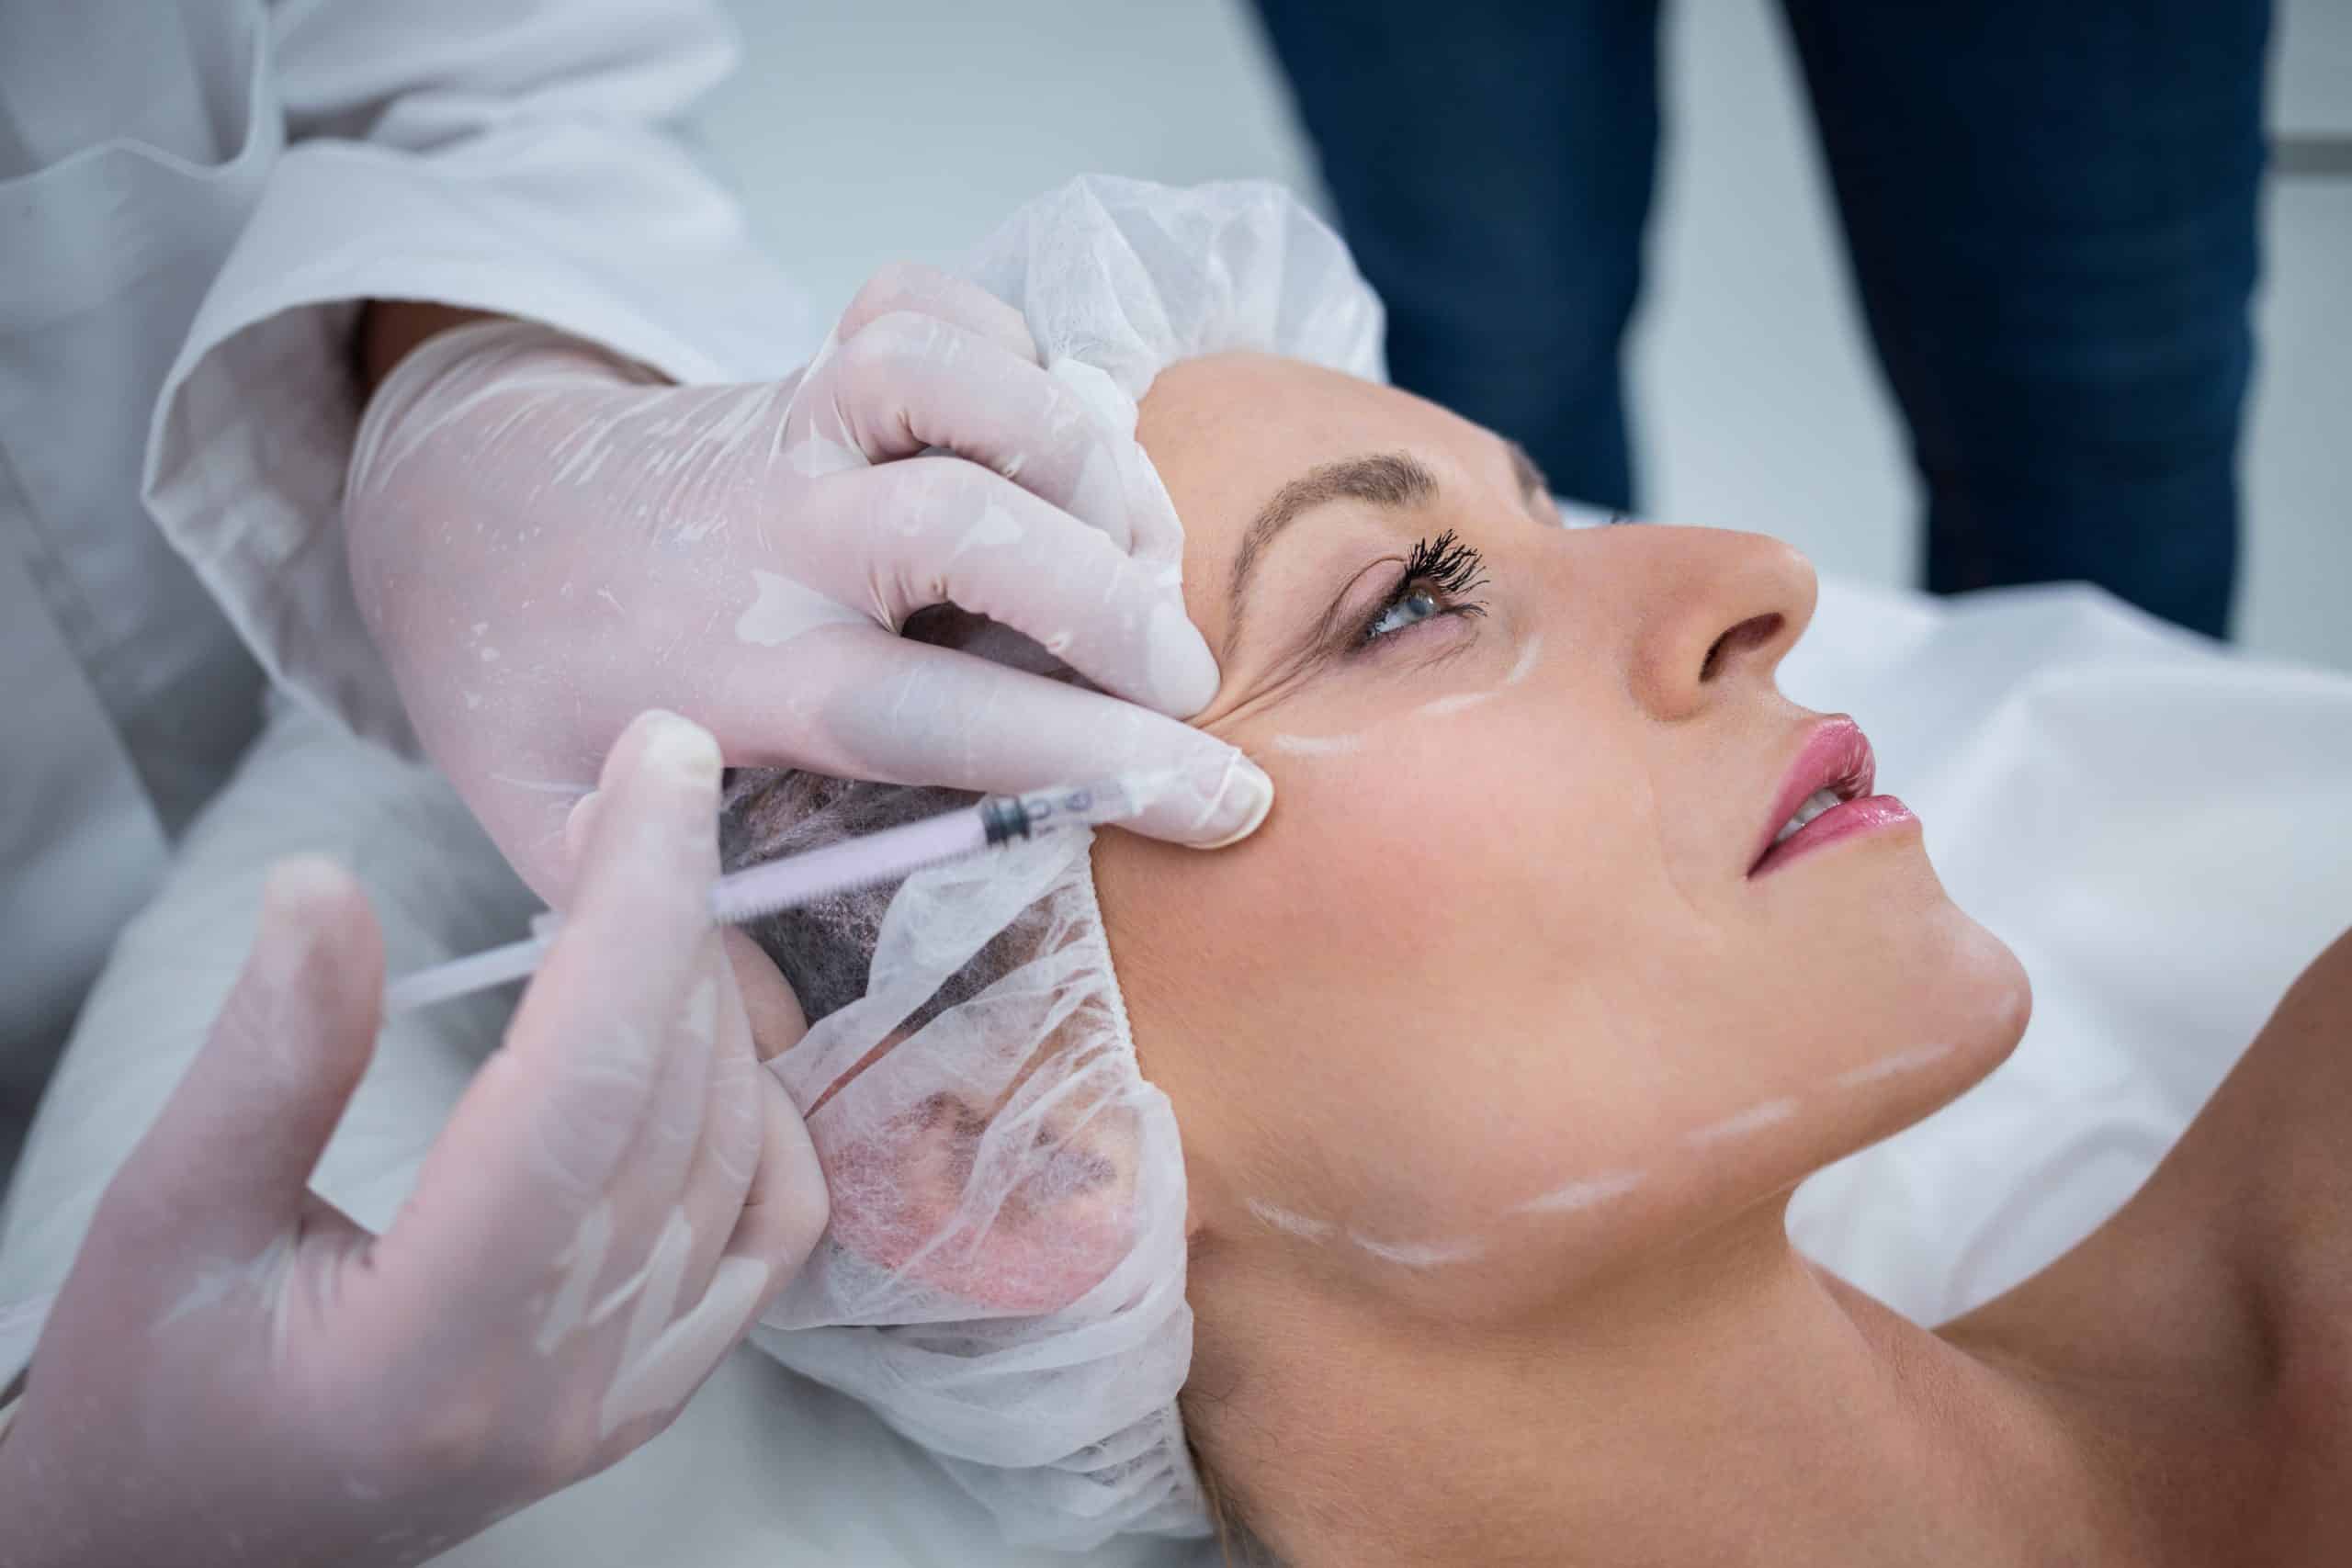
[1972, 994]
[2006, 991]
[1976, 1006]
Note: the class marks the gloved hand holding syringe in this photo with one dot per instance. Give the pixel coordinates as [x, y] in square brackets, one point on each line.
[759, 890]
[236, 1372]
[546, 538]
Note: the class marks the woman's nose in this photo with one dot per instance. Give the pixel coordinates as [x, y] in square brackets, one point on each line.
[1717, 612]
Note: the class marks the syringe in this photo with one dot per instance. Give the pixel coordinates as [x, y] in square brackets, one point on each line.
[800, 879]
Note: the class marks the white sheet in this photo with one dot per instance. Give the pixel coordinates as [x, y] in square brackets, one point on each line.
[2156, 826]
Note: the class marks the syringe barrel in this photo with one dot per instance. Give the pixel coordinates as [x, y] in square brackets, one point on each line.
[1004, 818]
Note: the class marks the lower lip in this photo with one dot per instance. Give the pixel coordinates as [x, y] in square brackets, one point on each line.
[1849, 820]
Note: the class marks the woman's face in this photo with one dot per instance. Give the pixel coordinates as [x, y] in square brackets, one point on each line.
[1499, 999]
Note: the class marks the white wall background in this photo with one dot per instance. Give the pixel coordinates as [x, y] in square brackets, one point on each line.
[860, 131]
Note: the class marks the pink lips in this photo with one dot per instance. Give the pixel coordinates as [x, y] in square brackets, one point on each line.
[1836, 757]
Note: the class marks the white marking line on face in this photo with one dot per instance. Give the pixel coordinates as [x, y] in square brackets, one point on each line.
[1754, 1119]
[1421, 1255]
[1292, 1223]
[1886, 1068]
[1585, 1194]
[1317, 745]
[1454, 703]
[1529, 652]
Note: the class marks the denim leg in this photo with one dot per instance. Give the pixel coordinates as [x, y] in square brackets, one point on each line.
[1492, 163]
[2052, 212]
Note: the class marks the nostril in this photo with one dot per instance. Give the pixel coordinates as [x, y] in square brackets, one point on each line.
[1753, 632]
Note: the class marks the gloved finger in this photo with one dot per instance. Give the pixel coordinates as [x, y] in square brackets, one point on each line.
[306, 1308]
[788, 1207]
[1150, 515]
[769, 1004]
[628, 984]
[535, 1142]
[649, 1192]
[909, 382]
[934, 530]
[235, 1145]
[578, 823]
[728, 1152]
[693, 1303]
[853, 701]
[674, 1202]
[660, 1368]
[546, 856]
[928, 291]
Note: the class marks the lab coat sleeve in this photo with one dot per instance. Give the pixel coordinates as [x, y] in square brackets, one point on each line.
[522, 158]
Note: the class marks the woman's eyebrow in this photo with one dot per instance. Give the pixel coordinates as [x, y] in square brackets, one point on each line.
[1390, 479]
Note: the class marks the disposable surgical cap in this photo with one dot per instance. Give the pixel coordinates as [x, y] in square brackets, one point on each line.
[1003, 1279]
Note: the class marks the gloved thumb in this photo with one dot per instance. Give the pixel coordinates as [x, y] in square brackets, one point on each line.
[239, 1138]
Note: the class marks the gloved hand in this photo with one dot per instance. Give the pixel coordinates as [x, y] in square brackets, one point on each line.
[235, 1372]
[545, 539]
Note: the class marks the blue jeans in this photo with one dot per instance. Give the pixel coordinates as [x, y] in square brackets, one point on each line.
[2051, 208]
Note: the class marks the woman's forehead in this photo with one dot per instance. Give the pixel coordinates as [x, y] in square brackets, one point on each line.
[1228, 432]
[1275, 416]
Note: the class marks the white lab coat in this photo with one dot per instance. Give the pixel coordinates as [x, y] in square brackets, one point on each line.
[195, 197]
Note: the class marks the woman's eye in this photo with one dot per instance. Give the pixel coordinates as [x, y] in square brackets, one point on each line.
[1438, 579]
[1409, 609]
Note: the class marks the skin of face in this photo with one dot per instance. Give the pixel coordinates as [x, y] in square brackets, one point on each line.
[1495, 1068]
[1506, 947]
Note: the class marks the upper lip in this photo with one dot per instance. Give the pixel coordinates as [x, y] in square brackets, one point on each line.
[1834, 756]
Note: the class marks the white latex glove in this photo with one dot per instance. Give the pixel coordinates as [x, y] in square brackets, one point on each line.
[235, 1373]
[545, 539]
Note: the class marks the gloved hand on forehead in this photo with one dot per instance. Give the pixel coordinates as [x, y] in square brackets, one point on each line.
[545, 539]
[236, 1373]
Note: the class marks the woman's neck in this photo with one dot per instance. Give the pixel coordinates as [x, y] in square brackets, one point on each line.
[1732, 1406]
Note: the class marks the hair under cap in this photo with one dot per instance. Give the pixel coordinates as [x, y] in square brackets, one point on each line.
[1003, 1279]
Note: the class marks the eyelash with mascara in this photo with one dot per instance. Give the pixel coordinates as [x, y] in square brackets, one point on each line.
[1439, 569]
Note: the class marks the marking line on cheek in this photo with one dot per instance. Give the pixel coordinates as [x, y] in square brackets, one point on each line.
[1888, 1066]
[1317, 745]
[1419, 1254]
[1456, 703]
[1529, 652]
[1754, 1119]
[1290, 1222]
[1585, 1194]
